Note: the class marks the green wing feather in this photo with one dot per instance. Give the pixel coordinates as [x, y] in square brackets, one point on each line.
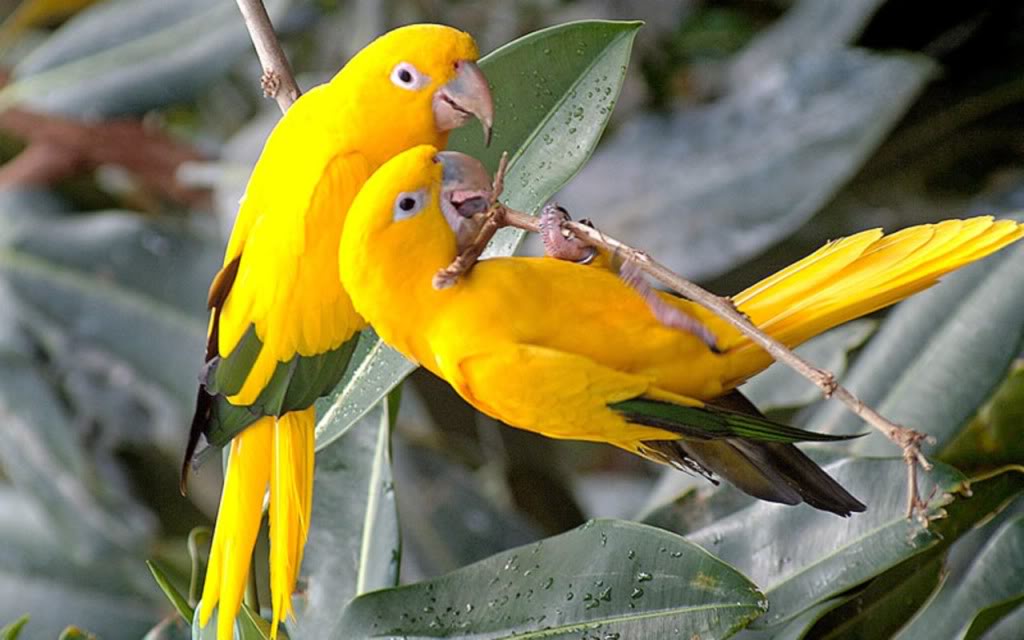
[712, 423]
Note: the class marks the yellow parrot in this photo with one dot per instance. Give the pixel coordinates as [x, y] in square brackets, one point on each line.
[282, 328]
[572, 351]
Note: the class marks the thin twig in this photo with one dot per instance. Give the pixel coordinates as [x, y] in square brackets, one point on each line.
[277, 81]
[493, 221]
[907, 439]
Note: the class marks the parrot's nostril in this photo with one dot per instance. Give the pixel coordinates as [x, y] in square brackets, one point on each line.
[470, 206]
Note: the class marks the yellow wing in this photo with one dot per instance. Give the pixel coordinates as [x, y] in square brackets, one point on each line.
[287, 285]
[557, 394]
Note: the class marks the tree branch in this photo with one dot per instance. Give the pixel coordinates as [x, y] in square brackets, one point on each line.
[277, 80]
[908, 440]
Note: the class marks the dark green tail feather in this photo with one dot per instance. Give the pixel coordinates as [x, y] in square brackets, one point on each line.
[735, 441]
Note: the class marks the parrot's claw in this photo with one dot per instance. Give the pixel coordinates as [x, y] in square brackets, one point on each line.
[666, 314]
[559, 242]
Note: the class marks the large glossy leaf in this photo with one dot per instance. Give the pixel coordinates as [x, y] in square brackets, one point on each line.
[993, 437]
[84, 286]
[703, 188]
[353, 545]
[938, 356]
[127, 56]
[881, 608]
[58, 584]
[554, 91]
[449, 517]
[606, 579]
[779, 387]
[991, 589]
[800, 556]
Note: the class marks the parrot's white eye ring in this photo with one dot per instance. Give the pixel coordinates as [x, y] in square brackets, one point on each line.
[408, 204]
[406, 76]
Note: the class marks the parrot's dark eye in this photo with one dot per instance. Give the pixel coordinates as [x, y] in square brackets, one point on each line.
[408, 204]
[407, 76]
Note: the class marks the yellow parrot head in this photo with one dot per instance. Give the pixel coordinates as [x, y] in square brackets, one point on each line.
[419, 208]
[417, 83]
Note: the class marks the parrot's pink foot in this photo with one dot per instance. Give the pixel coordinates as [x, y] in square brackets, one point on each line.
[559, 242]
[670, 316]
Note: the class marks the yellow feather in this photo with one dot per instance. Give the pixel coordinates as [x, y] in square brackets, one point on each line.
[287, 285]
[238, 521]
[546, 345]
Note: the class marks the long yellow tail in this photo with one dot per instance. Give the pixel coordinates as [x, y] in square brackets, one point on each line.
[278, 452]
[853, 276]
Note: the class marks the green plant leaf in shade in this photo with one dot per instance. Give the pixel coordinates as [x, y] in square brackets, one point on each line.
[779, 387]
[449, 518]
[354, 544]
[606, 579]
[13, 630]
[111, 594]
[993, 437]
[990, 589]
[800, 556]
[795, 629]
[179, 601]
[128, 56]
[554, 91]
[888, 601]
[1008, 628]
[938, 356]
[702, 188]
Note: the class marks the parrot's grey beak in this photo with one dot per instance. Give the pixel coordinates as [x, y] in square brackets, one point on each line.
[464, 96]
[465, 194]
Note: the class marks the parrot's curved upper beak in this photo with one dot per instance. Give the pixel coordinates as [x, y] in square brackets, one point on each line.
[465, 194]
[464, 96]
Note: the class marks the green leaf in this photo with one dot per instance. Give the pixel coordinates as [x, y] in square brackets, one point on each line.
[450, 518]
[128, 56]
[990, 589]
[992, 438]
[880, 609]
[354, 544]
[179, 601]
[111, 594]
[13, 630]
[779, 387]
[701, 188]
[554, 91]
[75, 633]
[938, 356]
[606, 579]
[801, 556]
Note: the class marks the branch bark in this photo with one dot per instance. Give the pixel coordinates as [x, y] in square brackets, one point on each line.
[277, 81]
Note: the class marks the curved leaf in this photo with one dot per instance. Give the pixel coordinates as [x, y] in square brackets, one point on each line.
[128, 56]
[800, 556]
[703, 188]
[354, 544]
[551, 117]
[779, 387]
[991, 589]
[606, 579]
